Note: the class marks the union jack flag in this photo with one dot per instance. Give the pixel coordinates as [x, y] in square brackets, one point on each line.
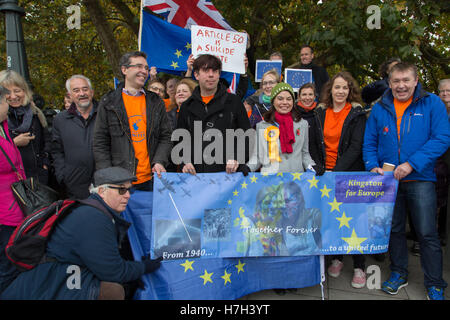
[185, 13]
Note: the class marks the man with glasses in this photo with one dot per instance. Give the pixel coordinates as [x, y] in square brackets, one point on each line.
[132, 129]
[83, 260]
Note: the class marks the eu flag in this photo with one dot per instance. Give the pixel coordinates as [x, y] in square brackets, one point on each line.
[167, 46]
[216, 278]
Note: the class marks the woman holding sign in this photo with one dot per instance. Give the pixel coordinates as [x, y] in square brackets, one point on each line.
[339, 129]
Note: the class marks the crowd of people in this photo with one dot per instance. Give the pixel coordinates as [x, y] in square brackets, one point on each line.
[106, 150]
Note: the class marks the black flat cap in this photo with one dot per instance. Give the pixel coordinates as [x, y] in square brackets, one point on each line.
[113, 175]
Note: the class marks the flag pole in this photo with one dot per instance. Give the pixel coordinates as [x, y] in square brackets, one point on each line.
[140, 25]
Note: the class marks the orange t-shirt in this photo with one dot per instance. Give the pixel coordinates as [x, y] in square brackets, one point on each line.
[332, 129]
[207, 99]
[400, 108]
[137, 118]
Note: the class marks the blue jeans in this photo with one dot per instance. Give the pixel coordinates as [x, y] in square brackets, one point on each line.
[420, 198]
[8, 271]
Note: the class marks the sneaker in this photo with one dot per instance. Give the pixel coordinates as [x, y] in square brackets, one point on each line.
[415, 249]
[435, 293]
[394, 283]
[359, 279]
[334, 270]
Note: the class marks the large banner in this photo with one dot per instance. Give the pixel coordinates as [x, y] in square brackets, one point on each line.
[287, 214]
[219, 278]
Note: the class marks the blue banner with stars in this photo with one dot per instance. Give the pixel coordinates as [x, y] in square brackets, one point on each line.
[288, 214]
[214, 278]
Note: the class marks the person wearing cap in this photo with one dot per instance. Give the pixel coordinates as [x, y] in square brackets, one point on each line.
[83, 261]
[339, 130]
[281, 138]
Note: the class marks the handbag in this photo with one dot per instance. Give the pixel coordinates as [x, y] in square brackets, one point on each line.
[31, 195]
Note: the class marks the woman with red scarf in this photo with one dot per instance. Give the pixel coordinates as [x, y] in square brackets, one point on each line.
[282, 138]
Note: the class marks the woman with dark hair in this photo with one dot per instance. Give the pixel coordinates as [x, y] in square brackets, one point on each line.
[339, 127]
[27, 126]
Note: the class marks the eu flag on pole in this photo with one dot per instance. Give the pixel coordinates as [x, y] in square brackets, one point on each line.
[298, 77]
[216, 278]
[167, 46]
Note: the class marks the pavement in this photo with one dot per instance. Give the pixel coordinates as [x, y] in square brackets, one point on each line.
[341, 289]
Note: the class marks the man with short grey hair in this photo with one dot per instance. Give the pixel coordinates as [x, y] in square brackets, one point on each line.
[72, 137]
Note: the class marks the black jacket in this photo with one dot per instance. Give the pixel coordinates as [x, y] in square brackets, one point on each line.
[350, 144]
[36, 153]
[71, 150]
[224, 111]
[320, 75]
[374, 90]
[113, 145]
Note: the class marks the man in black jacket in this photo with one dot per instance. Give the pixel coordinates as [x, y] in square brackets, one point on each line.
[207, 115]
[72, 134]
[319, 74]
[132, 130]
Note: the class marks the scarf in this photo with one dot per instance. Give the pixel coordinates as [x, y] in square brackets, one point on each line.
[265, 99]
[287, 137]
[23, 114]
[311, 107]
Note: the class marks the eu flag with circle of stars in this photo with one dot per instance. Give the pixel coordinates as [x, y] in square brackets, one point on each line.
[298, 77]
[167, 46]
[211, 279]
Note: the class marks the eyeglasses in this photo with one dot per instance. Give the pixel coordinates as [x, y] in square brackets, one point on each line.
[139, 66]
[268, 83]
[121, 190]
[157, 89]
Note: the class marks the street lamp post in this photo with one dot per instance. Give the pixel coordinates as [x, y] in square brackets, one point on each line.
[15, 46]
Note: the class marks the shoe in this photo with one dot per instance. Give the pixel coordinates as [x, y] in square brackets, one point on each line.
[334, 270]
[359, 279]
[415, 249]
[435, 293]
[394, 283]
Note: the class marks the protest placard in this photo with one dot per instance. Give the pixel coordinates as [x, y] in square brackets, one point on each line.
[229, 46]
[262, 66]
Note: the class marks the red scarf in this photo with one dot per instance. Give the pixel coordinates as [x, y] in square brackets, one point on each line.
[311, 107]
[287, 137]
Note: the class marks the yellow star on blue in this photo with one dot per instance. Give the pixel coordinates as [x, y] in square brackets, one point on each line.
[344, 221]
[187, 265]
[335, 205]
[253, 179]
[226, 277]
[174, 65]
[188, 46]
[296, 176]
[325, 191]
[178, 53]
[244, 185]
[240, 266]
[313, 182]
[354, 243]
[206, 277]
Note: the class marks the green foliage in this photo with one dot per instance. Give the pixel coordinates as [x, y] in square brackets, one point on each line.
[416, 31]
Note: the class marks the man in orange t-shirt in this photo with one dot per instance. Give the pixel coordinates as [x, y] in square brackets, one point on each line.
[132, 129]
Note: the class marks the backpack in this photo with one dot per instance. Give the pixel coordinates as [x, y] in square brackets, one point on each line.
[27, 246]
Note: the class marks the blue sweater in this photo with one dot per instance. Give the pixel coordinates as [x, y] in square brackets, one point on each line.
[424, 134]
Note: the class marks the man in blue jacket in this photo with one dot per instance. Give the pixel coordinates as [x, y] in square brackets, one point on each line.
[83, 261]
[408, 127]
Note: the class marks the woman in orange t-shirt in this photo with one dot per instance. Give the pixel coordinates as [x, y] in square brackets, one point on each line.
[339, 128]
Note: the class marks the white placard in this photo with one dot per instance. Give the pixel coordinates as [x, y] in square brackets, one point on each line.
[229, 46]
